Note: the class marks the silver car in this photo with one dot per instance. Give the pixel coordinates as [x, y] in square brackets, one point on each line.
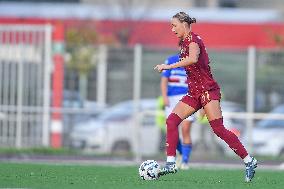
[115, 130]
[268, 135]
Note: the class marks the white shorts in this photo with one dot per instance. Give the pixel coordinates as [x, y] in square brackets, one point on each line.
[173, 100]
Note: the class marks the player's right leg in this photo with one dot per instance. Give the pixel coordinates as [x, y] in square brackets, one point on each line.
[181, 111]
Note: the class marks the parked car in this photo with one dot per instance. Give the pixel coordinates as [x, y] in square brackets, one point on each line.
[114, 130]
[76, 110]
[268, 135]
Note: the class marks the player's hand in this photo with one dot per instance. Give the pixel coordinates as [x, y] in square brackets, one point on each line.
[166, 102]
[161, 67]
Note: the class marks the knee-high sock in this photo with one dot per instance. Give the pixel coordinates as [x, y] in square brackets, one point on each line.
[230, 138]
[186, 151]
[172, 133]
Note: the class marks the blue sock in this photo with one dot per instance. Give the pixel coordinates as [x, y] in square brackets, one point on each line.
[186, 151]
[179, 147]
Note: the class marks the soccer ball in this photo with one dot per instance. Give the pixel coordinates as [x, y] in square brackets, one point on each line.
[149, 170]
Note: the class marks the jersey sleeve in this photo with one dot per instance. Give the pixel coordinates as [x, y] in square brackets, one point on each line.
[166, 73]
[194, 39]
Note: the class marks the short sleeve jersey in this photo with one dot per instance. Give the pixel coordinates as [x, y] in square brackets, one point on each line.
[201, 78]
[177, 78]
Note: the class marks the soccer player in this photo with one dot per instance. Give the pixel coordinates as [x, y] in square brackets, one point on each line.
[204, 92]
[173, 87]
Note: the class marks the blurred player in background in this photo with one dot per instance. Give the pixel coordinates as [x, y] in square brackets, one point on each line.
[204, 92]
[173, 88]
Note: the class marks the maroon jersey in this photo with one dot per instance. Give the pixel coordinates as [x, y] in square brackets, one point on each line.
[199, 75]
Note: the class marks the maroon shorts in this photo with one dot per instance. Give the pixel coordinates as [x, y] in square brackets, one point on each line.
[199, 101]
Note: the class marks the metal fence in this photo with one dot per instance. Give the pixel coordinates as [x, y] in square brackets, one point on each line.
[25, 60]
[230, 68]
[250, 77]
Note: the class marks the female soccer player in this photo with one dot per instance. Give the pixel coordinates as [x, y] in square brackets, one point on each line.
[173, 87]
[204, 92]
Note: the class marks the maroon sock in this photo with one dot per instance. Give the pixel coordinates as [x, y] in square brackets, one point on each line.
[230, 138]
[172, 133]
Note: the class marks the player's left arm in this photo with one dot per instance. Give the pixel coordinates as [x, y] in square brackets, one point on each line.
[194, 52]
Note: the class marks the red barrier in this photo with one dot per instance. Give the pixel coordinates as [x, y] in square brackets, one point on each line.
[57, 85]
[158, 33]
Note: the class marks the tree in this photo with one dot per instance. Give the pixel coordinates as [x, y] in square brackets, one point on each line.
[81, 54]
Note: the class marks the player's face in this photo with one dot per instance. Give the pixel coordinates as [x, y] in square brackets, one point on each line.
[178, 28]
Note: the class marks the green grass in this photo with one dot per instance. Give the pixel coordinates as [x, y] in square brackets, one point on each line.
[37, 151]
[13, 175]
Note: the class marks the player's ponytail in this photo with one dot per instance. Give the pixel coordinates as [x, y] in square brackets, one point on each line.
[192, 20]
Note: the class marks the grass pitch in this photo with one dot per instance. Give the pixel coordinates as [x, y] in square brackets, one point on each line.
[16, 175]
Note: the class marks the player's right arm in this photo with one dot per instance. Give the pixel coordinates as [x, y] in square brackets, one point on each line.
[194, 52]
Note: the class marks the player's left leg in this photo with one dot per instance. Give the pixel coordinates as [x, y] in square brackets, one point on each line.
[214, 115]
